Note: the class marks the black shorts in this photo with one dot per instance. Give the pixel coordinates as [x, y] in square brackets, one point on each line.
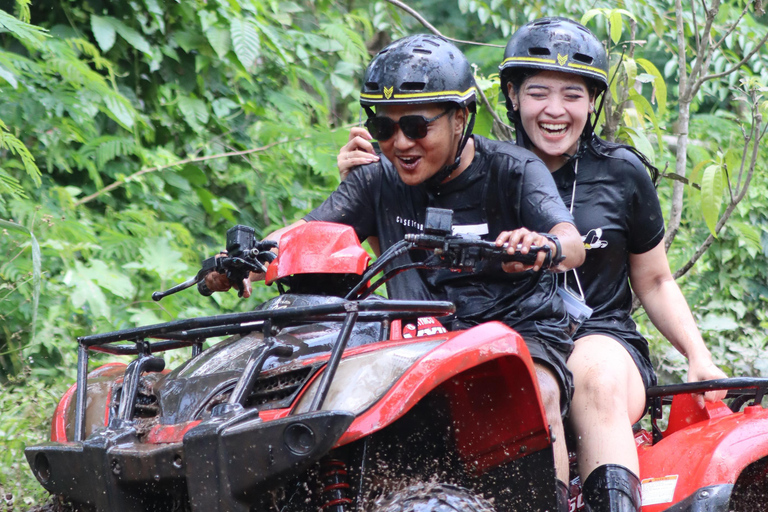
[554, 356]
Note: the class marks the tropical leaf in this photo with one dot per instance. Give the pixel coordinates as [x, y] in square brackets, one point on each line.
[104, 32]
[245, 41]
[617, 26]
[195, 112]
[9, 77]
[220, 40]
[712, 195]
[660, 86]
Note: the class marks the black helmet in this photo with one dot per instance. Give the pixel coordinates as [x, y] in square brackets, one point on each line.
[555, 44]
[419, 69]
[422, 68]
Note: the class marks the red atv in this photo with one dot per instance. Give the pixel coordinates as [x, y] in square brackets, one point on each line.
[318, 402]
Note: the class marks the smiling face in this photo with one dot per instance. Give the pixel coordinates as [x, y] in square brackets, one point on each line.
[417, 160]
[554, 108]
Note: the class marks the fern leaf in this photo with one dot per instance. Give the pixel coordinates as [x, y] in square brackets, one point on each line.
[15, 146]
[23, 31]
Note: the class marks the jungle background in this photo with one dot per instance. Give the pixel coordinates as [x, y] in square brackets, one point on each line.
[134, 133]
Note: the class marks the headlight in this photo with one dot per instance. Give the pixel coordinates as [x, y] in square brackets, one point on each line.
[361, 380]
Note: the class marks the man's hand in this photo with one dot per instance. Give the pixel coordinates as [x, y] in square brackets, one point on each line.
[525, 239]
[217, 282]
[358, 151]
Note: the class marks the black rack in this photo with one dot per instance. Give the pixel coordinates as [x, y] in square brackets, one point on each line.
[740, 389]
[192, 332]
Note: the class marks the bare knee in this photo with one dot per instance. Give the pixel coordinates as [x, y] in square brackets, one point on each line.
[549, 388]
[601, 387]
[605, 377]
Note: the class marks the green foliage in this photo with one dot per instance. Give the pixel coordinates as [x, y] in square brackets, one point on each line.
[116, 123]
[133, 134]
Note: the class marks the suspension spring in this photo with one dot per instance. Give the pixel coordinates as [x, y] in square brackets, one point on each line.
[333, 474]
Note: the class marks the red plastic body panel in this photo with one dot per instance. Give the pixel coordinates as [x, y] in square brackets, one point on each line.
[318, 248]
[160, 434]
[64, 413]
[704, 446]
[489, 378]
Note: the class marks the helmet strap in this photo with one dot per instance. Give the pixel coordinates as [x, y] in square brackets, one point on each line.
[436, 179]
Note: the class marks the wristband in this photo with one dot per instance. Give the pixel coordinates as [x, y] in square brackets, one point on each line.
[558, 257]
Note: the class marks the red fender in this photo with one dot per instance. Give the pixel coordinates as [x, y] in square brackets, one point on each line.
[100, 383]
[711, 445]
[489, 378]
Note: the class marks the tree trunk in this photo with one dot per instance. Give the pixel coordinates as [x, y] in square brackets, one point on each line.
[681, 159]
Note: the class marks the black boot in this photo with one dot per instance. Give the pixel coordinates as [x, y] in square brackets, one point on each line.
[612, 488]
[563, 493]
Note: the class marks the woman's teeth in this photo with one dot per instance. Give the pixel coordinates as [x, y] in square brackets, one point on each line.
[554, 129]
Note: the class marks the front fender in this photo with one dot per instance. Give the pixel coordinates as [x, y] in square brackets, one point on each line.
[489, 379]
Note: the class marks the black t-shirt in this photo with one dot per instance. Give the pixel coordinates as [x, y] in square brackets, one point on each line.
[504, 188]
[617, 213]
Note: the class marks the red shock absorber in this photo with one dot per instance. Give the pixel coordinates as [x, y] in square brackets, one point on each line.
[333, 474]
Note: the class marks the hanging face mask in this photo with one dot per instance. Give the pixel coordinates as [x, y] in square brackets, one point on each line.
[575, 305]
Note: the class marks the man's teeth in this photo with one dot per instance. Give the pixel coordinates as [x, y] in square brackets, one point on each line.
[409, 160]
[553, 127]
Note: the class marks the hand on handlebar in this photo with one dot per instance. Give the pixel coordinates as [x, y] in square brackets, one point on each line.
[700, 369]
[521, 240]
[217, 282]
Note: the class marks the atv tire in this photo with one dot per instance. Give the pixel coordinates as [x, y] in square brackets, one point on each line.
[432, 497]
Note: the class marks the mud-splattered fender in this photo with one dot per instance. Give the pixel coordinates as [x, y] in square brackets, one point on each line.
[489, 378]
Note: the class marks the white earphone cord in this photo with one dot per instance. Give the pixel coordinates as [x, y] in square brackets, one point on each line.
[573, 200]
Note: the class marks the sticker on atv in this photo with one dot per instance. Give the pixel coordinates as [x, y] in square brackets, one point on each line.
[659, 490]
[427, 326]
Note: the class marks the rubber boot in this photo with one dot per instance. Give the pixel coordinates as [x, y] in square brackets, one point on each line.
[563, 493]
[612, 488]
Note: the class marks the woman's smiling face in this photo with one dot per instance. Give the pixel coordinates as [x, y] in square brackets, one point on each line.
[554, 108]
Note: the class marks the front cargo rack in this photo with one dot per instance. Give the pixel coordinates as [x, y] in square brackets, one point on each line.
[194, 331]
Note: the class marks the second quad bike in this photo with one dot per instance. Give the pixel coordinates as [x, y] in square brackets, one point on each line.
[330, 398]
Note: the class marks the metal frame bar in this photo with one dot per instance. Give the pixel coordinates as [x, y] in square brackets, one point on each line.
[333, 361]
[194, 328]
[192, 332]
[82, 390]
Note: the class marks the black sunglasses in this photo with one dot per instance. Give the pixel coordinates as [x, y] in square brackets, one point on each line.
[414, 127]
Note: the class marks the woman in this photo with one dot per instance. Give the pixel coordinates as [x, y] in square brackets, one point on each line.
[553, 72]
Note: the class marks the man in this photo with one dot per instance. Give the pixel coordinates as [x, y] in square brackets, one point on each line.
[423, 93]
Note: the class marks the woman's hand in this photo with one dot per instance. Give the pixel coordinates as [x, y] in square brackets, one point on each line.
[702, 368]
[358, 151]
[523, 238]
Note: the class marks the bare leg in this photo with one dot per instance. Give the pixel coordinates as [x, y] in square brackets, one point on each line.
[609, 397]
[550, 395]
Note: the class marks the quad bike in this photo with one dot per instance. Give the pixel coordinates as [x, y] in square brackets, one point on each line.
[330, 398]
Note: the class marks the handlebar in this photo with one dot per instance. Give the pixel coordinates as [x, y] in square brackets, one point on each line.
[245, 254]
[465, 253]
